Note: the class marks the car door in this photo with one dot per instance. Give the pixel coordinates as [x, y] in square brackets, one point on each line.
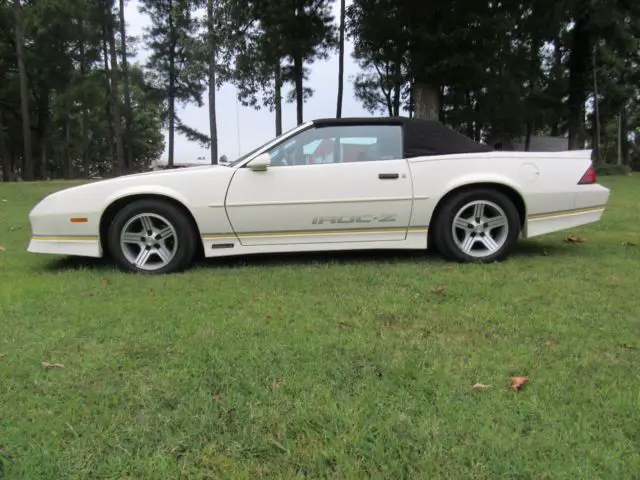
[342, 183]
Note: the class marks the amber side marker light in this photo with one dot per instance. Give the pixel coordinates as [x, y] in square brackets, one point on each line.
[79, 220]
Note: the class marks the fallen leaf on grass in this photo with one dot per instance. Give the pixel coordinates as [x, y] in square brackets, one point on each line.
[275, 384]
[438, 290]
[480, 386]
[105, 281]
[574, 239]
[552, 341]
[629, 244]
[48, 366]
[152, 292]
[345, 325]
[2, 249]
[628, 346]
[518, 382]
[2, 356]
[217, 397]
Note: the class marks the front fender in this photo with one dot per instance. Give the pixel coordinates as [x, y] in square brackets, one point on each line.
[145, 190]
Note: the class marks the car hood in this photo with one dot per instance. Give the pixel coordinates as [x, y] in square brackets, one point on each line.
[156, 177]
[164, 181]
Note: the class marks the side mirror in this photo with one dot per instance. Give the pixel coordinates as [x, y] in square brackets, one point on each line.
[260, 163]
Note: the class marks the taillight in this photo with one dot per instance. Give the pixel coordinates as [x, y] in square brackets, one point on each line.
[589, 176]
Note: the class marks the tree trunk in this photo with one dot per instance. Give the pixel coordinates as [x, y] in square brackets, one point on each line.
[441, 113]
[7, 167]
[626, 160]
[596, 103]
[43, 159]
[341, 60]
[412, 103]
[27, 169]
[578, 79]
[533, 76]
[128, 114]
[107, 107]
[171, 94]
[68, 174]
[396, 100]
[468, 107]
[213, 124]
[527, 136]
[84, 122]
[478, 124]
[426, 100]
[44, 116]
[278, 99]
[298, 74]
[558, 71]
[115, 86]
[397, 87]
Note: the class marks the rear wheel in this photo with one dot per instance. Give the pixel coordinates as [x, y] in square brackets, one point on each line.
[151, 236]
[479, 225]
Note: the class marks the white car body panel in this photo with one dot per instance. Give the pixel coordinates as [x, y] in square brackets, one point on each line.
[321, 203]
[322, 207]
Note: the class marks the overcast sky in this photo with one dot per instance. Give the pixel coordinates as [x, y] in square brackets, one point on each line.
[255, 127]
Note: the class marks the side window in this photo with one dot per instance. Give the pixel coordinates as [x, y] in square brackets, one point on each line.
[339, 144]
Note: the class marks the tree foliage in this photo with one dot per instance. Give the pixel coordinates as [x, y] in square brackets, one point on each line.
[69, 84]
[283, 39]
[72, 104]
[501, 70]
[176, 62]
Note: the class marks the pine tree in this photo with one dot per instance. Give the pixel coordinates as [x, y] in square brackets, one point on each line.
[285, 38]
[176, 61]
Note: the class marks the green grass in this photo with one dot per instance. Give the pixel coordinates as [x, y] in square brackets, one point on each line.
[325, 366]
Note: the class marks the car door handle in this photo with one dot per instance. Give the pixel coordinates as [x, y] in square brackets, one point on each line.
[388, 176]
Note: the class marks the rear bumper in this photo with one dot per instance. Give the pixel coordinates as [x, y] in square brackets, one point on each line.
[594, 195]
[589, 205]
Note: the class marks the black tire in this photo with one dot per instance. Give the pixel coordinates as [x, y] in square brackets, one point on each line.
[184, 251]
[444, 237]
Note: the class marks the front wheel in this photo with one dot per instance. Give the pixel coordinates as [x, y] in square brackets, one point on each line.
[478, 225]
[150, 236]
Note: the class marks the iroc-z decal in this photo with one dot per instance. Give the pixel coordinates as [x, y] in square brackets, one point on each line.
[354, 219]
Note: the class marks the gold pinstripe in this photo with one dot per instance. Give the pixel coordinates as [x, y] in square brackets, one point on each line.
[215, 237]
[65, 239]
[563, 213]
[317, 232]
[260, 234]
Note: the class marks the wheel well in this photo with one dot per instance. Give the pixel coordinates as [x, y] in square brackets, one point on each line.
[513, 195]
[112, 210]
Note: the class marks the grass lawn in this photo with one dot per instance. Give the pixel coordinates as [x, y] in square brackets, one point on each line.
[325, 366]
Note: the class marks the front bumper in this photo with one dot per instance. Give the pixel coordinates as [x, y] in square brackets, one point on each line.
[77, 246]
[53, 232]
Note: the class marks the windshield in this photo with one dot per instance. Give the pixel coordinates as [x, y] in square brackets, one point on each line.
[247, 155]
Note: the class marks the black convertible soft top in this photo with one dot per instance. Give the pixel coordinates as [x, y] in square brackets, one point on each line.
[421, 137]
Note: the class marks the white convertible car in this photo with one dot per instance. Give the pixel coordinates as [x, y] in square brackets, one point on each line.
[346, 184]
